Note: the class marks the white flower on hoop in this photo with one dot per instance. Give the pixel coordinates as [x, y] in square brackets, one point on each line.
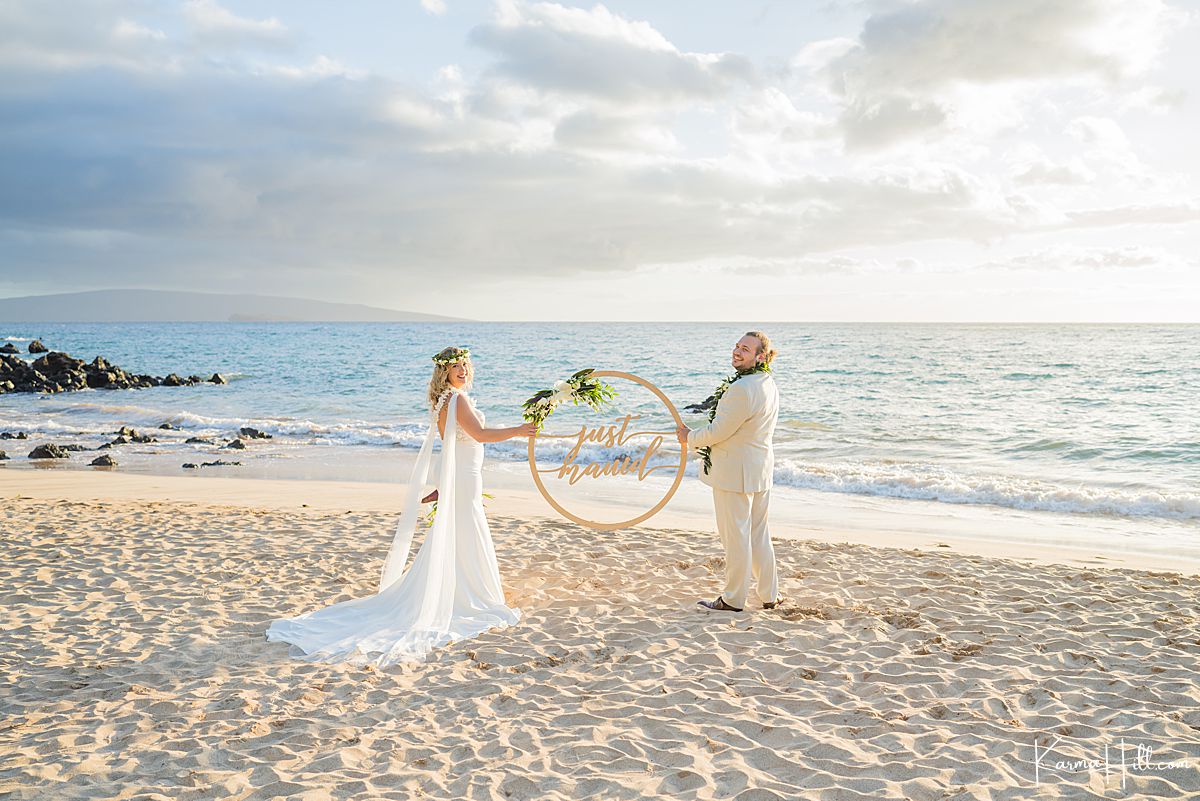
[562, 392]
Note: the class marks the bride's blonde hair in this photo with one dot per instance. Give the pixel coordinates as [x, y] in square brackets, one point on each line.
[440, 381]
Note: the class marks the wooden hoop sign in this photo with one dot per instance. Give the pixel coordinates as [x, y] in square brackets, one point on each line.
[616, 434]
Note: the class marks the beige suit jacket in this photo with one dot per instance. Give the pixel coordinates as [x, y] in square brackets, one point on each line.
[743, 458]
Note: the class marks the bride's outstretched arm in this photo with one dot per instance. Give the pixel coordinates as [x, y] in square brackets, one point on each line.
[469, 422]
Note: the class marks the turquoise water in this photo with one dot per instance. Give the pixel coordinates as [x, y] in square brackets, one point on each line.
[1084, 420]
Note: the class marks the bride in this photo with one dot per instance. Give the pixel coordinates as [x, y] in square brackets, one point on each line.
[452, 588]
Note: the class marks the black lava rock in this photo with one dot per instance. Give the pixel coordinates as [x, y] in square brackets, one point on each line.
[59, 372]
[50, 451]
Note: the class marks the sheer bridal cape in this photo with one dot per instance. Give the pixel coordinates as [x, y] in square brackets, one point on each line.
[452, 588]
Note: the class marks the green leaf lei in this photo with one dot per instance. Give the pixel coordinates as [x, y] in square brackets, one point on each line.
[579, 387]
[712, 400]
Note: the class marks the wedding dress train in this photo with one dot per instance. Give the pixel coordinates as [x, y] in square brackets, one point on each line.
[451, 590]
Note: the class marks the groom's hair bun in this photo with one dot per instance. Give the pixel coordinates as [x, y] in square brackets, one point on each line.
[765, 349]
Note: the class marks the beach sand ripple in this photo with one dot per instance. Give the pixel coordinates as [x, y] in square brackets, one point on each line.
[134, 666]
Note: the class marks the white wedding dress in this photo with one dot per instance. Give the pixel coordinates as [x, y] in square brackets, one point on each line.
[450, 592]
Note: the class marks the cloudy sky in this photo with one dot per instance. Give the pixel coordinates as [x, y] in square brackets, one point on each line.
[700, 160]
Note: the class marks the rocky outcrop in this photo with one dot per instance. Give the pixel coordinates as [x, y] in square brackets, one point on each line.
[49, 451]
[36, 346]
[103, 461]
[126, 435]
[59, 372]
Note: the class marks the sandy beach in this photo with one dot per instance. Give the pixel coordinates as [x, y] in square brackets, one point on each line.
[134, 663]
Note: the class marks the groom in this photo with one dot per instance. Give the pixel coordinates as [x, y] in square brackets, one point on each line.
[738, 444]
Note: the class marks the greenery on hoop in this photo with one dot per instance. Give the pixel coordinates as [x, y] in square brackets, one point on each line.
[580, 387]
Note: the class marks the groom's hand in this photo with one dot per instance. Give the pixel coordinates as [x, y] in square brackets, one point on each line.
[682, 432]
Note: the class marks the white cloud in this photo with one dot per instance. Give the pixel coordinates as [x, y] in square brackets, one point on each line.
[1149, 214]
[770, 132]
[413, 111]
[210, 19]
[1043, 171]
[927, 68]
[1102, 134]
[588, 130]
[816, 56]
[437, 7]
[321, 67]
[926, 45]
[1155, 99]
[870, 123]
[128, 29]
[598, 54]
[56, 36]
[1071, 258]
[831, 264]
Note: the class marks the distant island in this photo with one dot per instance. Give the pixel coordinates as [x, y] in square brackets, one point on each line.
[153, 305]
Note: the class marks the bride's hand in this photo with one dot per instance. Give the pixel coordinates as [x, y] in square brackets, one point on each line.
[525, 430]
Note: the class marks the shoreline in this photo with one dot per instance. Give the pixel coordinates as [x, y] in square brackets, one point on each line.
[795, 515]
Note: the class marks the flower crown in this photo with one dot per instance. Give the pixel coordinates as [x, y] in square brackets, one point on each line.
[452, 358]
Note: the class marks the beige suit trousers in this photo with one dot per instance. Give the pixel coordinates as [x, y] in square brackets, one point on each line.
[742, 524]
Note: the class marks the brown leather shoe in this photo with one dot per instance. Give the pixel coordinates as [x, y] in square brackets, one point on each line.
[775, 603]
[719, 605]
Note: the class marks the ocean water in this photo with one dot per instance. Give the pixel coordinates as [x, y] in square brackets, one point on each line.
[1082, 420]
